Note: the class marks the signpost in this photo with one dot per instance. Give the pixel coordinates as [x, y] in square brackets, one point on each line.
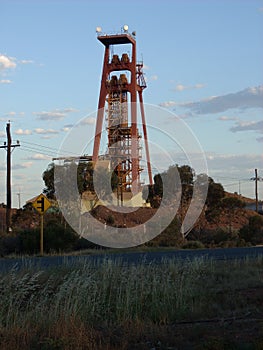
[41, 204]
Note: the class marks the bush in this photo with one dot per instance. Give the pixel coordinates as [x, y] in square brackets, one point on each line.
[9, 245]
[29, 241]
[110, 220]
[253, 232]
[215, 237]
[193, 245]
[57, 237]
[170, 237]
[82, 244]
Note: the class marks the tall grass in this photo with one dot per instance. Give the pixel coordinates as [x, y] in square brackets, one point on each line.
[112, 294]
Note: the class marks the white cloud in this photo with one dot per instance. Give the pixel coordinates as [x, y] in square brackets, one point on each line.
[47, 137]
[199, 86]
[225, 118]
[181, 87]
[2, 134]
[167, 104]
[153, 77]
[26, 61]
[7, 116]
[5, 81]
[248, 126]
[89, 121]
[53, 115]
[184, 115]
[248, 98]
[57, 114]
[45, 131]
[6, 62]
[146, 67]
[23, 132]
[20, 177]
[233, 162]
[39, 156]
[67, 127]
[22, 166]
[69, 110]
[12, 113]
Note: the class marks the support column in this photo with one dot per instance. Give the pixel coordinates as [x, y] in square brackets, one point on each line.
[149, 167]
[101, 106]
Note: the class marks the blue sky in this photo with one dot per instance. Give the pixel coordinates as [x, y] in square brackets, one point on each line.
[203, 61]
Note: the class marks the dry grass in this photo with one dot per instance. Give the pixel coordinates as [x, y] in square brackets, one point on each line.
[132, 307]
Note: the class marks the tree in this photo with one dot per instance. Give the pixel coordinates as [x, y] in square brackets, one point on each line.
[72, 179]
[101, 180]
[230, 205]
[186, 174]
[66, 177]
[179, 178]
[153, 193]
[86, 172]
[253, 232]
[48, 178]
[170, 237]
[158, 186]
[176, 178]
[215, 194]
[57, 237]
[187, 179]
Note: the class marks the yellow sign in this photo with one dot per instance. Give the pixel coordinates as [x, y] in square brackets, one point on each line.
[41, 204]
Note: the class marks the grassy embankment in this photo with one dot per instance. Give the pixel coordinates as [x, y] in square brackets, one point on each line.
[199, 304]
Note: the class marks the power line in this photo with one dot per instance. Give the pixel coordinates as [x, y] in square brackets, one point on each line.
[51, 148]
[231, 178]
[34, 150]
[39, 148]
[232, 184]
[47, 151]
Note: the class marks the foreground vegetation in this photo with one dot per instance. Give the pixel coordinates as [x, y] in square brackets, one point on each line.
[199, 304]
[59, 237]
[224, 221]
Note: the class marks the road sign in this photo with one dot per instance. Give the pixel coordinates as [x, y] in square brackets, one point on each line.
[41, 204]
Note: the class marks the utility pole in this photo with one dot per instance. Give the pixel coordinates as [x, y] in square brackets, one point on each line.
[8, 146]
[19, 200]
[256, 188]
[256, 179]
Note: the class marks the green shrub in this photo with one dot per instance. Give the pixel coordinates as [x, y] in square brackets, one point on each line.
[29, 241]
[110, 219]
[9, 245]
[214, 237]
[193, 245]
[253, 232]
[170, 237]
[83, 243]
[57, 237]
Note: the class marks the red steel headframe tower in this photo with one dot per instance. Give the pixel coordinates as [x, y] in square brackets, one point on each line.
[117, 90]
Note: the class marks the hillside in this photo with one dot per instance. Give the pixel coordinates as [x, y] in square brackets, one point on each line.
[239, 217]
[242, 198]
[225, 220]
